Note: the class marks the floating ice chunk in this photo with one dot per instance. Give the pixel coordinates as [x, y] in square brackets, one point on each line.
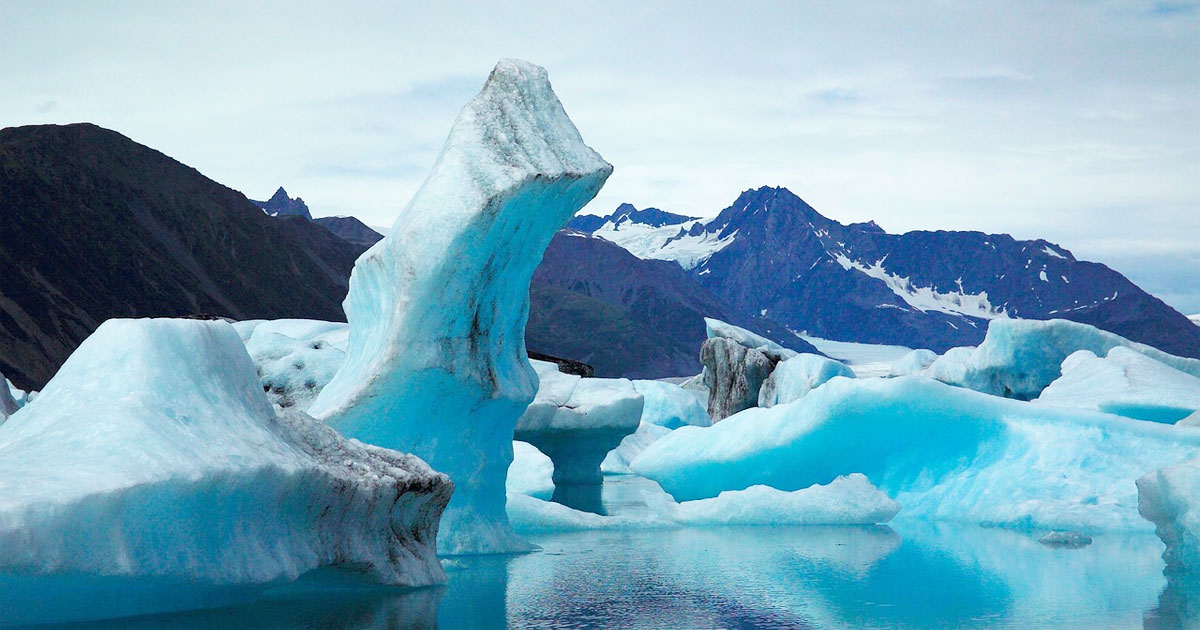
[793, 378]
[1068, 540]
[913, 362]
[577, 421]
[1170, 498]
[531, 472]
[1020, 357]
[436, 361]
[733, 375]
[847, 500]
[617, 460]
[153, 454]
[295, 358]
[1190, 421]
[716, 328]
[942, 452]
[1125, 383]
[670, 405]
[529, 515]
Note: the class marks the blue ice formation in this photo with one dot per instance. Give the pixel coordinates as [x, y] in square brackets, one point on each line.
[913, 362]
[793, 378]
[667, 406]
[577, 421]
[1126, 383]
[531, 472]
[295, 358]
[942, 452]
[847, 500]
[1020, 357]
[154, 456]
[1170, 498]
[436, 362]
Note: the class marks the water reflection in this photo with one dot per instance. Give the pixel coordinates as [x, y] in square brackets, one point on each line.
[910, 575]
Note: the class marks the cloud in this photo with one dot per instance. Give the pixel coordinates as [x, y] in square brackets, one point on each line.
[45, 107]
[1070, 121]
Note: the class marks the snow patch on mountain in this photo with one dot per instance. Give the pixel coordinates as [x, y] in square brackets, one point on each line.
[926, 299]
[678, 242]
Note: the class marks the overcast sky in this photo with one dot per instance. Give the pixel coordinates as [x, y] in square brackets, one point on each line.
[1076, 122]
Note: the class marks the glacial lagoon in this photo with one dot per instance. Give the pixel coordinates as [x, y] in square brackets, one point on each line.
[909, 574]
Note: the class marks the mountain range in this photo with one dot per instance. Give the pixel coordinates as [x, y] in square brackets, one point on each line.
[770, 254]
[96, 226]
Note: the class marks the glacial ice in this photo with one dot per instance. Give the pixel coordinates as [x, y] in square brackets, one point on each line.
[295, 358]
[733, 375]
[913, 363]
[1170, 498]
[153, 454]
[8, 403]
[793, 378]
[436, 363]
[531, 472]
[942, 452]
[716, 328]
[1125, 383]
[1020, 357]
[847, 500]
[667, 406]
[617, 461]
[577, 421]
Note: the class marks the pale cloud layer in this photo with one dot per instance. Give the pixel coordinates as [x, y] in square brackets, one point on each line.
[1075, 122]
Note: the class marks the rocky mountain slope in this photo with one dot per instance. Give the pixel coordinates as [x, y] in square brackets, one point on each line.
[773, 255]
[596, 302]
[94, 225]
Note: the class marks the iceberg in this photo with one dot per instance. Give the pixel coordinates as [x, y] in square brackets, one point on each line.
[153, 454]
[1020, 357]
[8, 402]
[847, 500]
[1170, 498]
[913, 363]
[1125, 383]
[943, 452]
[577, 421]
[295, 358]
[667, 406]
[793, 378]
[531, 472]
[436, 362]
[736, 364]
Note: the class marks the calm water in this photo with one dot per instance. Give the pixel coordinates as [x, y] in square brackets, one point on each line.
[908, 575]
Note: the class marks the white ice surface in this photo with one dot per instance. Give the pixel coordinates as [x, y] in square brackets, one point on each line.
[1125, 383]
[153, 453]
[717, 328]
[436, 361]
[577, 421]
[942, 452]
[914, 362]
[1170, 498]
[866, 359]
[793, 378]
[667, 406]
[295, 358]
[531, 472]
[1020, 357]
[847, 500]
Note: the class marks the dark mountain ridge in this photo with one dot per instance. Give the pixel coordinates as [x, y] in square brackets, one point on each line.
[97, 226]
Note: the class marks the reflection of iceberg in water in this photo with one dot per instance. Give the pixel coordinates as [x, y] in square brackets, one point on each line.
[913, 574]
